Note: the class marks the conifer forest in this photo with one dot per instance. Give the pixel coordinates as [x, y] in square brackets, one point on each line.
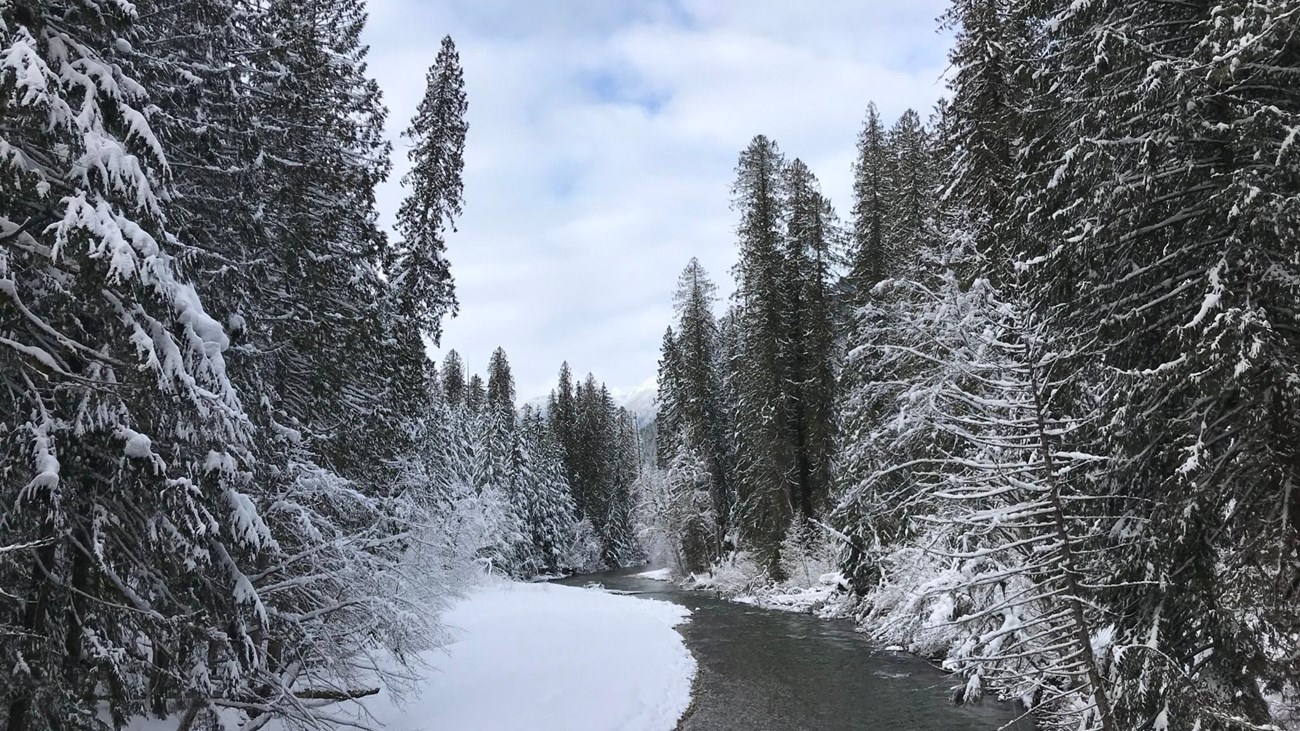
[1026, 409]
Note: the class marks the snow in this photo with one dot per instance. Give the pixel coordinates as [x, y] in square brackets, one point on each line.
[641, 400]
[656, 575]
[138, 446]
[741, 579]
[543, 656]
[536, 657]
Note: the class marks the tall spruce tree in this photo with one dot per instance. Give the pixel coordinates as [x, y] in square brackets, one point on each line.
[869, 260]
[765, 462]
[115, 391]
[1171, 163]
[909, 200]
[500, 385]
[669, 422]
[986, 116]
[417, 264]
[562, 415]
[811, 230]
[696, 387]
[475, 393]
[453, 378]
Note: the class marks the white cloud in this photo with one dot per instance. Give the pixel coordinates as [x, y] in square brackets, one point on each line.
[603, 138]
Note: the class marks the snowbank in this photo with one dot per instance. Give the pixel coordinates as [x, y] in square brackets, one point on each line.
[656, 575]
[814, 588]
[534, 657]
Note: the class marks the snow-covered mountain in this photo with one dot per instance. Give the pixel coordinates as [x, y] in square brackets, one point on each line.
[640, 400]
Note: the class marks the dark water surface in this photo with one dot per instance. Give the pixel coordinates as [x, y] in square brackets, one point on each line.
[766, 670]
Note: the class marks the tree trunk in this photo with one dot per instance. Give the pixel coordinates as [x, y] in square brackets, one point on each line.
[34, 622]
[1081, 635]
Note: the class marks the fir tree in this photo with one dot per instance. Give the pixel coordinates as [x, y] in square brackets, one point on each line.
[418, 265]
[453, 378]
[500, 385]
[764, 460]
[475, 393]
[1172, 164]
[669, 421]
[870, 261]
[810, 341]
[911, 193]
[118, 411]
[562, 415]
[690, 388]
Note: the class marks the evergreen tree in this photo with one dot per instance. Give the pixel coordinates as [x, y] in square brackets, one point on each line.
[911, 193]
[625, 456]
[1170, 158]
[810, 379]
[118, 411]
[500, 385]
[669, 421]
[418, 265]
[562, 415]
[552, 521]
[690, 386]
[764, 461]
[475, 394]
[453, 378]
[870, 261]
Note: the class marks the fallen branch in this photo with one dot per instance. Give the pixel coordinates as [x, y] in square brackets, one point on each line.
[335, 695]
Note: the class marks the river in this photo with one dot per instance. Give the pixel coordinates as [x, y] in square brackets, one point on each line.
[766, 670]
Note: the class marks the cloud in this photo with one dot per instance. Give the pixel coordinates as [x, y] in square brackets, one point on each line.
[602, 143]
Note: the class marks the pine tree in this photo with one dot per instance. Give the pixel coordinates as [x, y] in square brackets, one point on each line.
[910, 195]
[453, 378]
[810, 341]
[418, 265]
[764, 460]
[870, 261]
[1170, 160]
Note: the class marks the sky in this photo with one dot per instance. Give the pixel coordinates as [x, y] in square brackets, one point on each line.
[603, 137]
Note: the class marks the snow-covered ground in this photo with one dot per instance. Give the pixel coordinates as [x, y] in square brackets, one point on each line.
[814, 587]
[541, 657]
[656, 575]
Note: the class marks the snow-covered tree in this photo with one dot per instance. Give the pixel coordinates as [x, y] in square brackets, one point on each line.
[811, 235]
[1162, 202]
[869, 260]
[764, 456]
[418, 266]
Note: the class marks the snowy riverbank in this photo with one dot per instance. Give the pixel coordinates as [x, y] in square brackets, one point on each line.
[535, 657]
[542, 656]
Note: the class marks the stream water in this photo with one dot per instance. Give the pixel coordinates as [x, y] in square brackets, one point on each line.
[766, 670]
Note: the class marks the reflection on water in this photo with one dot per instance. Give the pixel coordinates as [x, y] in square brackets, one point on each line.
[762, 670]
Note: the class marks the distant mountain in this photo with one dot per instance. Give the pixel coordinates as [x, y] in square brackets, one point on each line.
[640, 400]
